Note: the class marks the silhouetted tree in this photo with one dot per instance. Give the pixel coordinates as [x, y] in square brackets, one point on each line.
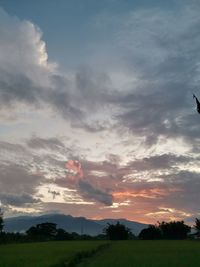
[1, 221]
[166, 230]
[43, 231]
[75, 236]
[117, 231]
[197, 227]
[61, 234]
[151, 233]
[174, 230]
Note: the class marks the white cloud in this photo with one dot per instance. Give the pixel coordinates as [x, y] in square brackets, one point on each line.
[141, 72]
[22, 50]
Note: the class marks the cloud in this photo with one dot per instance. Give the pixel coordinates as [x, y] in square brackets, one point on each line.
[27, 77]
[161, 57]
[44, 143]
[81, 181]
[18, 185]
[16, 179]
[188, 182]
[18, 200]
[138, 85]
[164, 56]
[10, 147]
[90, 192]
[164, 161]
[104, 182]
[154, 49]
[23, 62]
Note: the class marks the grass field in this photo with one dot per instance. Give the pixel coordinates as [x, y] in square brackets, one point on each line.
[43, 254]
[118, 254]
[148, 254]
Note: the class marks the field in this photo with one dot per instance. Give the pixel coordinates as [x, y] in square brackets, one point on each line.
[43, 254]
[148, 254]
[117, 254]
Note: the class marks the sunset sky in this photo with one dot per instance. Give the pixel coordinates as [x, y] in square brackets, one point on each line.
[97, 117]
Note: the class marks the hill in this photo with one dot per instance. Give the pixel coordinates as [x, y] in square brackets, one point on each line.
[79, 225]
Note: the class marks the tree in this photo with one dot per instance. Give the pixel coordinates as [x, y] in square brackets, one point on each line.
[166, 230]
[197, 226]
[43, 231]
[117, 231]
[1, 221]
[174, 230]
[62, 235]
[151, 233]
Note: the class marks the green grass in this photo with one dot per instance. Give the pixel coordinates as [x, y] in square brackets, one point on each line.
[118, 254]
[147, 254]
[44, 254]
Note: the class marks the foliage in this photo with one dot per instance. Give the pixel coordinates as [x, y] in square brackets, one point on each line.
[150, 233]
[117, 231]
[44, 231]
[1, 221]
[166, 230]
[174, 230]
[7, 238]
[61, 234]
[197, 226]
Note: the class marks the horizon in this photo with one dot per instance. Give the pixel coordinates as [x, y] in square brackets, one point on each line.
[97, 117]
[50, 214]
[93, 219]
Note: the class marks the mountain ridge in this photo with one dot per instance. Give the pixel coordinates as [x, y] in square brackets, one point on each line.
[80, 225]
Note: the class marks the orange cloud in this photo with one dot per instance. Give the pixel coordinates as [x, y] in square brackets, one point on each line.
[74, 170]
[144, 193]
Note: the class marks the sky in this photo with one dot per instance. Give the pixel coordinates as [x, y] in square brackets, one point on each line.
[97, 117]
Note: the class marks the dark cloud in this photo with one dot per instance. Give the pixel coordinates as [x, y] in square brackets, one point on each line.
[159, 113]
[179, 191]
[160, 50]
[18, 200]
[163, 57]
[12, 147]
[113, 159]
[164, 161]
[18, 184]
[93, 127]
[86, 186]
[17, 88]
[42, 143]
[27, 77]
[189, 183]
[89, 191]
[16, 179]
[72, 103]
[187, 199]
[162, 105]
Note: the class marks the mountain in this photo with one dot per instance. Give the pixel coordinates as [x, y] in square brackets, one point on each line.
[79, 225]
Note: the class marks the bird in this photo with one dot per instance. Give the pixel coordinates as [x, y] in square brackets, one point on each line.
[198, 103]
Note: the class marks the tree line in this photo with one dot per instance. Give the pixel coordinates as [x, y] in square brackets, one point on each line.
[49, 232]
[174, 230]
[166, 230]
[44, 232]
